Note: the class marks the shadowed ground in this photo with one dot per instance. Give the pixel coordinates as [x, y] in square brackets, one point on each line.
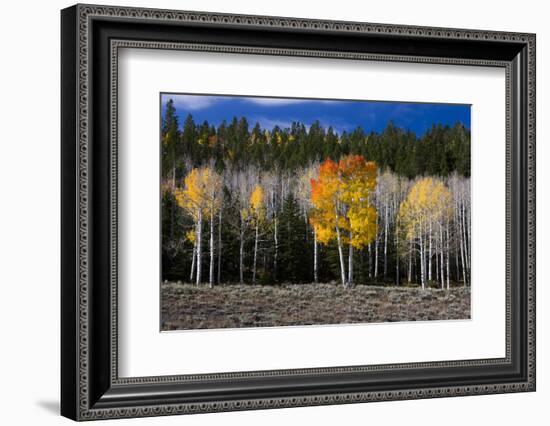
[186, 306]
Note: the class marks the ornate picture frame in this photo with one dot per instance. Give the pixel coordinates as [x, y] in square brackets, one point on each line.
[91, 37]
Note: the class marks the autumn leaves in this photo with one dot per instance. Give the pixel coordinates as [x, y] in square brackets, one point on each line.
[341, 197]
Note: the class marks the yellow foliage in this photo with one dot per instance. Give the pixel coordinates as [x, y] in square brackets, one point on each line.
[201, 193]
[191, 236]
[359, 181]
[324, 234]
[257, 203]
[341, 200]
[428, 201]
[257, 198]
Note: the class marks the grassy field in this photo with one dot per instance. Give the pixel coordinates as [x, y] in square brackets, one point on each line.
[186, 306]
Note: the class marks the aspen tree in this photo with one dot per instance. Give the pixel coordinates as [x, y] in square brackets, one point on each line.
[214, 199]
[193, 200]
[341, 197]
[257, 213]
[428, 203]
[303, 195]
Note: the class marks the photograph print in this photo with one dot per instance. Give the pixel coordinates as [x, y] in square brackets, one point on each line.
[298, 212]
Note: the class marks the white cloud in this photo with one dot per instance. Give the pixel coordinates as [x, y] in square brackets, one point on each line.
[192, 102]
[198, 102]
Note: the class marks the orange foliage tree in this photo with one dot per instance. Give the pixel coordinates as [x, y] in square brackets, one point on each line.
[342, 208]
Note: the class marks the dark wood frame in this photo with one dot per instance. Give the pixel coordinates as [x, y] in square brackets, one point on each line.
[90, 386]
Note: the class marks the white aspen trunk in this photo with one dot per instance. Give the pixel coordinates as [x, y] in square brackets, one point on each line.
[340, 252]
[436, 267]
[464, 279]
[350, 262]
[456, 243]
[469, 237]
[465, 230]
[448, 256]
[241, 253]
[315, 265]
[442, 262]
[276, 238]
[462, 261]
[416, 269]
[430, 254]
[396, 258]
[199, 247]
[422, 272]
[456, 249]
[255, 253]
[194, 257]
[466, 248]
[409, 275]
[436, 278]
[219, 246]
[211, 277]
[386, 242]
[376, 253]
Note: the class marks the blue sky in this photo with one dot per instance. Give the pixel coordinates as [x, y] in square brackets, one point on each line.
[341, 115]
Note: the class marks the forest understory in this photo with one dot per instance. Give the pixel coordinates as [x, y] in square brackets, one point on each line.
[187, 306]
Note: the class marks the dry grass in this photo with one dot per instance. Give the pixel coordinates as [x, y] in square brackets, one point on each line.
[185, 306]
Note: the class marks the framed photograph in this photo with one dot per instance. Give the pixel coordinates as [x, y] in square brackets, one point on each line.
[263, 212]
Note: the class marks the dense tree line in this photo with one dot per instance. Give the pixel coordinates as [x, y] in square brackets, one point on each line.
[438, 152]
[266, 206]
